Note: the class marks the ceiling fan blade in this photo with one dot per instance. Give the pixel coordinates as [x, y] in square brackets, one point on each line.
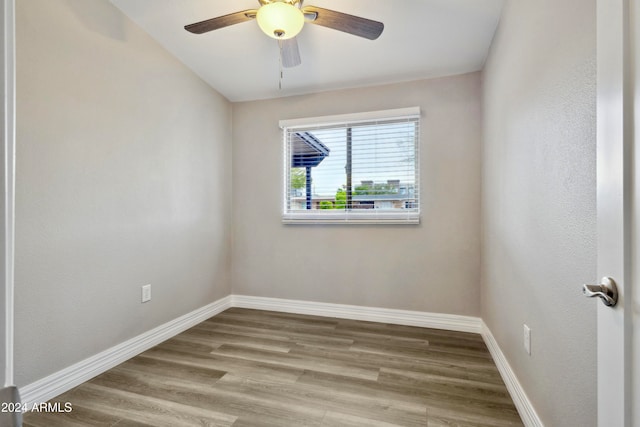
[289, 53]
[344, 22]
[221, 21]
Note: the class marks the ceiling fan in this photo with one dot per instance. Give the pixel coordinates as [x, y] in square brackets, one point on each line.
[284, 19]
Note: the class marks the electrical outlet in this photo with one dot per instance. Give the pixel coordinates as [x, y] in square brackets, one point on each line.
[146, 293]
[527, 339]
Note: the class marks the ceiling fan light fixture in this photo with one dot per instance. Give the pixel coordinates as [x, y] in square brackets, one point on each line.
[280, 20]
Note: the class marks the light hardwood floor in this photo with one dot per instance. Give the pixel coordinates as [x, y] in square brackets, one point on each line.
[259, 368]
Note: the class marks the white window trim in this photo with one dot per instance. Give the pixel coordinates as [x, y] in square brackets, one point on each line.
[397, 113]
[350, 217]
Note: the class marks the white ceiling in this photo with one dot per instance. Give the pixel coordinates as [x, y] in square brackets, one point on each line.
[421, 39]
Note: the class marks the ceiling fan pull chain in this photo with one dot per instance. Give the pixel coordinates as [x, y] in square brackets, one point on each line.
[280, 65]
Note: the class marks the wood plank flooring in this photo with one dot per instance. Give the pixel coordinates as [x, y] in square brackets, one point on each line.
[259, 368]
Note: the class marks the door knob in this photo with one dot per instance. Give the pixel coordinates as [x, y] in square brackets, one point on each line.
[606, 290]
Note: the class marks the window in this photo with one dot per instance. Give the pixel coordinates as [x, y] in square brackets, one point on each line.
[353, 168]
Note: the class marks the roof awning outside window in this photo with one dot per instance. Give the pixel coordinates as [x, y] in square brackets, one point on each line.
[307, 150]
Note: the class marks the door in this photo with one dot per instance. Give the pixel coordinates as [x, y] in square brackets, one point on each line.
[615, 209]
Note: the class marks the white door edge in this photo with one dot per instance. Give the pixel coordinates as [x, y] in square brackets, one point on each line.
[614, 140]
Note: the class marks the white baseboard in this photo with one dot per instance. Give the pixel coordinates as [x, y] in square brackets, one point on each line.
[372, 314]
[523, 404]
[74, 375]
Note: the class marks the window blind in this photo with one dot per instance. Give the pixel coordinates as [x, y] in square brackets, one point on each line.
[364, 169]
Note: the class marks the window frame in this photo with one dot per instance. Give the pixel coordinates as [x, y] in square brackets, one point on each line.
[353, 216]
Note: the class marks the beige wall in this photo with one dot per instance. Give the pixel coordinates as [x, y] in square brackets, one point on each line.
[432, 267]
[123, 179]
[539, 202]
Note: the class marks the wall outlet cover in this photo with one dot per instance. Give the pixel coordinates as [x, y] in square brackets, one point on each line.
[146, 293]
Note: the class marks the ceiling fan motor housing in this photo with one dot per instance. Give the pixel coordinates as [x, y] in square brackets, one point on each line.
[297, 3]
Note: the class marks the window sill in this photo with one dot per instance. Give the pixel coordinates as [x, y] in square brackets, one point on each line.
[408, 218]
